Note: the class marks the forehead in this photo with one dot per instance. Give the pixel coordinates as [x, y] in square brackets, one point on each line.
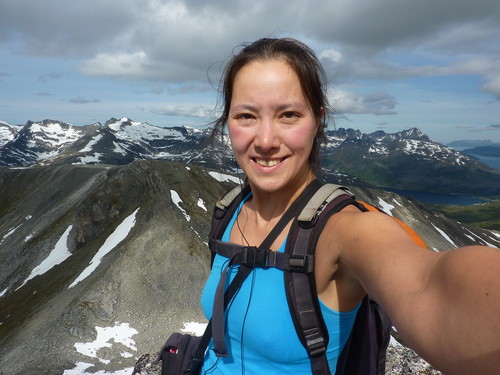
[265, 78]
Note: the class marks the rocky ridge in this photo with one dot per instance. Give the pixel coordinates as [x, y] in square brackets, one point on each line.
[99, 264]
[404, 160]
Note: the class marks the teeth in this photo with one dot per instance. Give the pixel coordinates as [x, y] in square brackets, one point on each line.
[268, 163]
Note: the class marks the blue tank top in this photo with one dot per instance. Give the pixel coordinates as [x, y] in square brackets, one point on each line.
[260, 334]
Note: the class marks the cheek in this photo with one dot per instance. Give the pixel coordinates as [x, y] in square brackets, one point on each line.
[302, 138]
[240, 139]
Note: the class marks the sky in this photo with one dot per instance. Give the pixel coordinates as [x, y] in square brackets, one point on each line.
[391, 64]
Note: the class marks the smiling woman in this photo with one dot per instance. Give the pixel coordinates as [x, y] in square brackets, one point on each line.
[309, 73]
[275, 109]
[271, 126]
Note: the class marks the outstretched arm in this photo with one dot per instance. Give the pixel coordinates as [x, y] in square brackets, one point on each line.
[445, 305]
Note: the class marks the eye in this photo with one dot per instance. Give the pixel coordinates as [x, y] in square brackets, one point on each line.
[290, 116]
[244, 116]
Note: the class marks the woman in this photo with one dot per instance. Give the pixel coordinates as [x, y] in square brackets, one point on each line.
[445, 305]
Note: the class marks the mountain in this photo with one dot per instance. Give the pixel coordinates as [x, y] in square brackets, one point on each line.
[491, 150]
[469, 143]
[406, 160]
[117, 142]
[8, 132]
[100, 263]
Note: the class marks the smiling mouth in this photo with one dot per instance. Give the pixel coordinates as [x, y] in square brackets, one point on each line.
[268, 163]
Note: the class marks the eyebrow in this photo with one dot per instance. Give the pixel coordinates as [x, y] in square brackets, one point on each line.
[281, 107]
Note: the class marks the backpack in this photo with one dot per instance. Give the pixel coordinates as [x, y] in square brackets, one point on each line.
[365, 351]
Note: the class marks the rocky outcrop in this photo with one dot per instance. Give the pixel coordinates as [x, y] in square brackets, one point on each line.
[404, 361]
[131, 259]
[400, 361]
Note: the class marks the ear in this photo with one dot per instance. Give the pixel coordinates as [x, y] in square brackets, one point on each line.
[320, 117]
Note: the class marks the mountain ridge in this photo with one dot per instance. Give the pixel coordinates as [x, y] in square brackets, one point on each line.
[491, 150]
[407, 160]
[149, 283]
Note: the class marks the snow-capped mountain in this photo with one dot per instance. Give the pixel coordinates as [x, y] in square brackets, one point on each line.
[410, 142]
[405, 160]
[8, 132]
[408, 160]
[117, 142]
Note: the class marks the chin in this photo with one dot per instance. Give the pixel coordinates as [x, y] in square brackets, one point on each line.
[268, 186]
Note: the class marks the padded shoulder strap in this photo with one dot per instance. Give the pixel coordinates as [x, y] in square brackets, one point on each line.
[365, 351]
[229, 197]
[326, 194]
[223, 212]
[301, 287]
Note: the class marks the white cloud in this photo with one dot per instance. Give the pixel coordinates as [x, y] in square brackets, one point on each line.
[185, 110]
[116, 65]
[81, 100]
[177, 40]
[331, 55]
[492, 85]
[169, 47]
[349, 102]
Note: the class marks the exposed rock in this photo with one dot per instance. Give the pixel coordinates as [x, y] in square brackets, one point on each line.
[148, 284]
[404, 361]
[400, 361]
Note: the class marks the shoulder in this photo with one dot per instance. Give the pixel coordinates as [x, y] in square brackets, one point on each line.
[373, 248]
[352, 228]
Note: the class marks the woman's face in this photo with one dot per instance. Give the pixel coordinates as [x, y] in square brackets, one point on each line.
[271, 126]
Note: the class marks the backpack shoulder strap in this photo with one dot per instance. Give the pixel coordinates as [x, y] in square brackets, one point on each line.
[317, 204]
[300, 286]
[365, 351]
[222, 214]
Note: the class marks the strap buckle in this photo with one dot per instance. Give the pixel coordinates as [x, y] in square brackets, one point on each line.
[255, 257]
[299, 263]
[315, 342]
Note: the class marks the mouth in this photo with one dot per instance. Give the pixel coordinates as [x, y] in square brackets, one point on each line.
[268, 162]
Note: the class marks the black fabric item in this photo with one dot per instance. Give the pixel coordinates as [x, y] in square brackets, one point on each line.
[368, 341]
[218, 323]
[301, 291]
[255, 257]
[365, 351]
[177, 353]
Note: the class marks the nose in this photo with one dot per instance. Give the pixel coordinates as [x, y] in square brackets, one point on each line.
[267, 136]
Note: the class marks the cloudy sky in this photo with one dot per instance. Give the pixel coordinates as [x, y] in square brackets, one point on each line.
[392, 64]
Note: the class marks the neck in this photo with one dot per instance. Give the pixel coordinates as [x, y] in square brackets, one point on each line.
[271, 205]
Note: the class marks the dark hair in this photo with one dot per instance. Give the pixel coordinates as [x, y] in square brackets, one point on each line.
[304, 63]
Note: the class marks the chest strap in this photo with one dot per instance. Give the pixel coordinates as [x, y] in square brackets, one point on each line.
[255, 257]
[218, 324]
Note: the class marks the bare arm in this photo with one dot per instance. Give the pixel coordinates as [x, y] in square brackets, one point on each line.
[445, 305]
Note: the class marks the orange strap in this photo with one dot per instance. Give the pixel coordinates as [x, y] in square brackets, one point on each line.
[414, 235]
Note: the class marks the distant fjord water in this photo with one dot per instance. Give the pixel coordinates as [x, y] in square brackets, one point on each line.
[451, 199]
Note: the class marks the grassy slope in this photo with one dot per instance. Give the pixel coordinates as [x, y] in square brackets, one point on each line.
[485, 215]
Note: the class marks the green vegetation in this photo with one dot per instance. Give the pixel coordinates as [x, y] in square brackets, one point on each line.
[484, 215]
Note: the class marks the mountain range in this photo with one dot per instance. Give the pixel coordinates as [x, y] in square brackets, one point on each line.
[404, 160]
[100, 263]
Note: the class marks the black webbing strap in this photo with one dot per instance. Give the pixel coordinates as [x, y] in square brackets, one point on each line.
[218, 325]
[301, 287]
[257, 257]
[223, 212]
[215, 326]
